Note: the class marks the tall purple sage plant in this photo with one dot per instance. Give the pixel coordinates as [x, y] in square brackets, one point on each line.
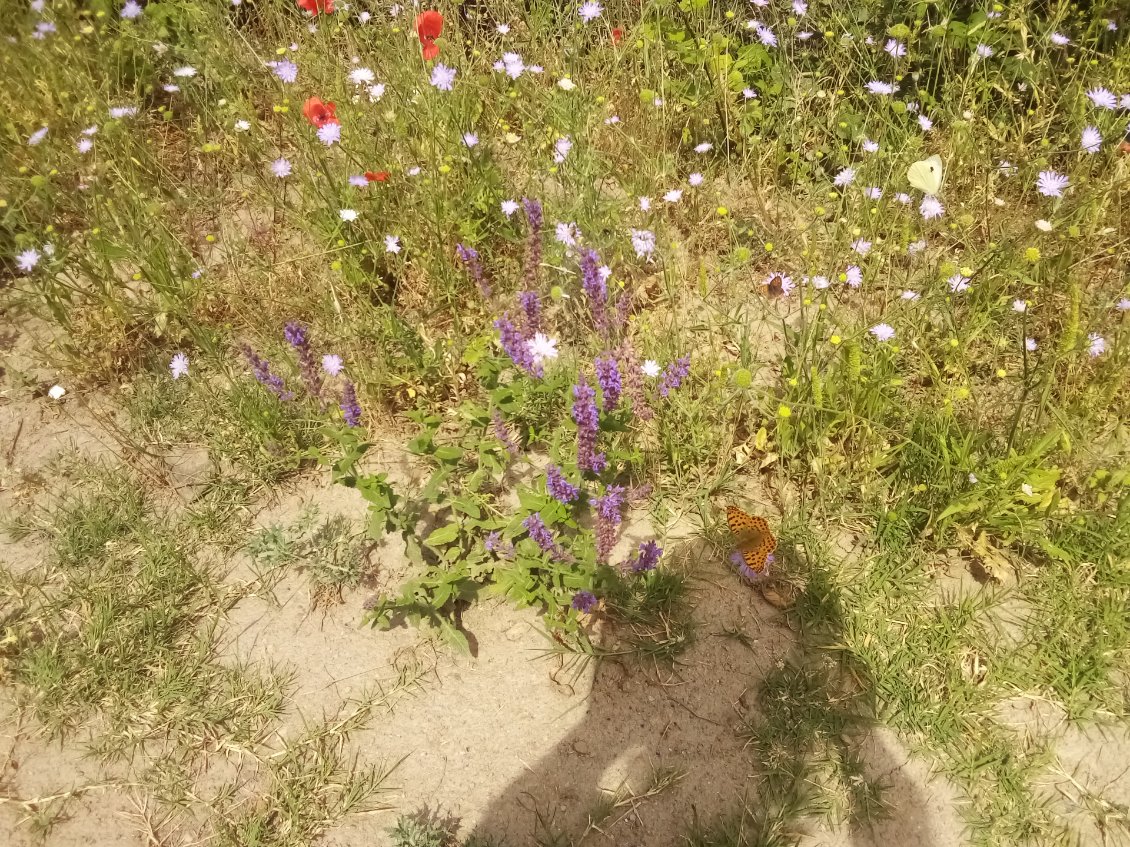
[588, 423]
[298, 337]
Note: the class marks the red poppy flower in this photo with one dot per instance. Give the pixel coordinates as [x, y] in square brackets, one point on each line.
[617, 34]
[318, 113]
[429, 26]
[315, 6]
[376, 176]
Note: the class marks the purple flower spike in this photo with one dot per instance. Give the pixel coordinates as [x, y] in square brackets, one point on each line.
[542, 536]
[531, 309]
[495, 543]
[470, 259]
[584, 601]
[514, 343]
[503, 433]
[533, 250]
[609, 509]
[297, 337]
[261, 369]
[595, 289]
[608, 377]
[674, 375]
[647, 557]
[633, 379]
[588, 422]
[350, 408]
[560, 488]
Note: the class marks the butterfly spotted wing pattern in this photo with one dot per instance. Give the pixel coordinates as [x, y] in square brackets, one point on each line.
[754, 539]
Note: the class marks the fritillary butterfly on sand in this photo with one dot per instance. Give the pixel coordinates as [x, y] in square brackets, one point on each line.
[754, 539]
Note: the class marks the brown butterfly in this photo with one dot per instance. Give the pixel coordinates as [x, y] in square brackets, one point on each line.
[754, 539]
[774, 288]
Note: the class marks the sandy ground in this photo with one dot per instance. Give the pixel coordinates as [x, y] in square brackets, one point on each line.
[515, 740]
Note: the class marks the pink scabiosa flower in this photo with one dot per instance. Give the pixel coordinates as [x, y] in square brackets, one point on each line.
[883, 332]
[329, 134]
[931, 207]
[853, 276]
[589, 11]
[1091, 140]
[895, 48]
[882, 89]
[178, 367]
[1051, 183]
[332, 364]
[443, 77]
[958, 284]
[844, 177]
[285, 70]
[1102, 98]
[1096, 345]
[643, 242]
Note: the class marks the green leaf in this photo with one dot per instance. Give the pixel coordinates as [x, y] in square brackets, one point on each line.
[467, 506]
[448, 453]
[443, 536]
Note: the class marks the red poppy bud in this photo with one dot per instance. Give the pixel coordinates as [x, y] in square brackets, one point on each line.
[429, 27]
[376, 176]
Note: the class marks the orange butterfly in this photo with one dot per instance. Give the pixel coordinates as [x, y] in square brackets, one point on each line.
[774, 289]
[755, 540]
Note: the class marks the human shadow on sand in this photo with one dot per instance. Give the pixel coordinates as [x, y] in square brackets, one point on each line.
[755, 735]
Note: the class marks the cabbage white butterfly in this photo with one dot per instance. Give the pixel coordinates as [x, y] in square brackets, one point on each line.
[926, 175]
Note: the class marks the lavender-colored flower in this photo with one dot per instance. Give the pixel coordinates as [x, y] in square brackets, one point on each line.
[584, 601]
[350, 408]
[674, 375]
[588, 422]
[595, 288]
[495, 543]
[533, 247]
[1051, 183]
[609, 514]
[1092, 140]
[130, 10]
[931, 207]
[1096, 345]
[883, 332]
[608, 378]
[443, 77]
[646, 557]
[28, 259]
[470, 259]
[297, 337]
[559, 488]
[530, 304]
[503, 432]
[1102, 98]
[332, 364]
[633, 379]
[261, 370]
[515, 345]
[329, 134]
[285, 70]
[542, 536]
[844, 177]
[883, 89]
[643, 242]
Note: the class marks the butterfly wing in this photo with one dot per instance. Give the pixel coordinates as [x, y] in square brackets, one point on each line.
[775, 287]
[926, 175]
[754, 539]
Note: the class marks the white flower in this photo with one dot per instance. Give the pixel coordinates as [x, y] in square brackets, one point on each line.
[566, 84]
[1019, 305]
[910, 295]
[28, 259]
[566, 233]
[904, 198]
[1027, 490]
[705, 147]
[925, 123]
[958, 283]
[332, 364]
[392, 243]
[973, 478]
[170, 88]
[242, 126]
[749, 94]
[1044, 226]
[1102, 98]
[1030, 344]
[281, 168]
[509, 207]
[674, 195]
[1097, 344]
[590, 11]
[85, 145]
[542, 348]
[1059, 39]
[615, 119]
[178, 367]
[931, 207]
[502, 29]
[37, 136]
[348, 215]
[185, 72]
[329, 134]
[861, 246]
[650, 368]
[873, 193]
[821, 282]
[1092, 140]
[870, 146]
[130, 10]
[561, 149]
[883, 332]
[844, 177]
[56, 392]
[695, 179]
[643, 242]
[470, 139]
[361, 76]
[645, 204]
[376, 92]
[915, 247]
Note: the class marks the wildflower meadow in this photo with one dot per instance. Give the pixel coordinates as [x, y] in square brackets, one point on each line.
[667, 422]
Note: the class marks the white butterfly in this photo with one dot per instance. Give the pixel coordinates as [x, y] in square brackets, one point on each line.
[926, 175]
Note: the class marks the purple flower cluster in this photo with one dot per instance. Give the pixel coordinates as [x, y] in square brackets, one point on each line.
[261, 369]
[495, 543]
[541, 535]
[633, 379]
[350, 408]
[646, 557]
[608, 377]
[674, 375]
[560, 488]
[584, 601]
[503, 433]
[609, 514]
[595, 289]
[530, 304]
[533, 251]
[588, 422]
[297, 337]
[514, 342]
[470, 259]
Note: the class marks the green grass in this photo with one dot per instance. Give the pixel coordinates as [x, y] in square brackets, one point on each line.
[887, 465]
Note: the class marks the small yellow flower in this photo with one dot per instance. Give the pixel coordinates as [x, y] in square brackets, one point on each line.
[954, 342]
[1032, 254]
[445, 169]
[722, 211]
[835, 339]
[784, 411]
[768, 246]
[1002, 373]
[335, 265]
